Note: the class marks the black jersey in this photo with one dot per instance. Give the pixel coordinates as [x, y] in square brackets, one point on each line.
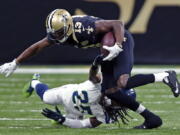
[84, 35]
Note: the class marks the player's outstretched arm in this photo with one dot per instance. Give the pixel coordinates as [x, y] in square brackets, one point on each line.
[8, 68]
[72, 123]
[86, 123]
[32, 50]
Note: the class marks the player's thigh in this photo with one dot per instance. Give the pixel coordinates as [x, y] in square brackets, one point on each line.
[52, 96]
[123, 63]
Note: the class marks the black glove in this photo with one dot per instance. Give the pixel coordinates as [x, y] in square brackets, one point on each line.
[98, 60]
[55, 115]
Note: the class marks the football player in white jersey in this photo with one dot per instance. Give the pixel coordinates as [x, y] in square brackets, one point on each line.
[77, 99]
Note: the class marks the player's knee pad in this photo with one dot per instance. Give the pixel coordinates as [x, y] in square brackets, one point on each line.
[130, 92]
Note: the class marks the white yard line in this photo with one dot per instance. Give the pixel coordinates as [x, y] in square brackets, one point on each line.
[19, 127]
[19, 102]
[44, 119]
[22, 119]
[84, 70]
[21, 111]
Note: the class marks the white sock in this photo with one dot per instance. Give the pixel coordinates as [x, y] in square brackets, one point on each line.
[34, 83]
[140, 109]
[160, 76]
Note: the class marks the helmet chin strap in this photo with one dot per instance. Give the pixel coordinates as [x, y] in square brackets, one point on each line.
[63, 39]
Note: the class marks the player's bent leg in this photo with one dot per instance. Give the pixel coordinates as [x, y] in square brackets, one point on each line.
[136, 80]
[52, 97]
[40, 89]
[168, 77]
[35, 85]
[122, 98]
[151, 120]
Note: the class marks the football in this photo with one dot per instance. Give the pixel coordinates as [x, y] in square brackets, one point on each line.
[107, 40]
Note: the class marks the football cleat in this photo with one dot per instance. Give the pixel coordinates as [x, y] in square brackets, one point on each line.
[150, 123]
[172, 82]
[28, 90]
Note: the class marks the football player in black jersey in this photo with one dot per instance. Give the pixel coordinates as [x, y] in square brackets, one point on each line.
[87, 31]
[76, 31]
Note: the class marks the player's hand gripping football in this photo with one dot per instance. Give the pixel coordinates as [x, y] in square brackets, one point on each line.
[54, 115]
[113, 51]
[8, 68]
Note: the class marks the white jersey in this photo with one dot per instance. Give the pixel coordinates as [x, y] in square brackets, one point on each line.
[77, 99]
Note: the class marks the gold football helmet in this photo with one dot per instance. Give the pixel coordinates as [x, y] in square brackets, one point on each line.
[59, 24]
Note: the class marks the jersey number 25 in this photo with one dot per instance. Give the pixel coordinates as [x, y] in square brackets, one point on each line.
[81, 101]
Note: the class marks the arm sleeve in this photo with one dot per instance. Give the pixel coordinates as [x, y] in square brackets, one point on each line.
[77, 123]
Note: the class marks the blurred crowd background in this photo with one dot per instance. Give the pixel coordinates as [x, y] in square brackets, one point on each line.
[155, 25]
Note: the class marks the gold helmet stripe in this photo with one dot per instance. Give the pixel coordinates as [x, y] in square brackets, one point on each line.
[50, 20]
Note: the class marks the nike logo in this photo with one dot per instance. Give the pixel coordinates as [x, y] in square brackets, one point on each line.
[166, 80]
[177, 88]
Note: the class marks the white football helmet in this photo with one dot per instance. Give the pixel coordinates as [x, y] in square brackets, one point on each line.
[59, 24]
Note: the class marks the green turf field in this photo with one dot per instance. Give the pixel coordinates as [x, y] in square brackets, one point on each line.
[20, 116]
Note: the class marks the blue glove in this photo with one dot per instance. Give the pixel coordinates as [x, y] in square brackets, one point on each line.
[54, 115]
